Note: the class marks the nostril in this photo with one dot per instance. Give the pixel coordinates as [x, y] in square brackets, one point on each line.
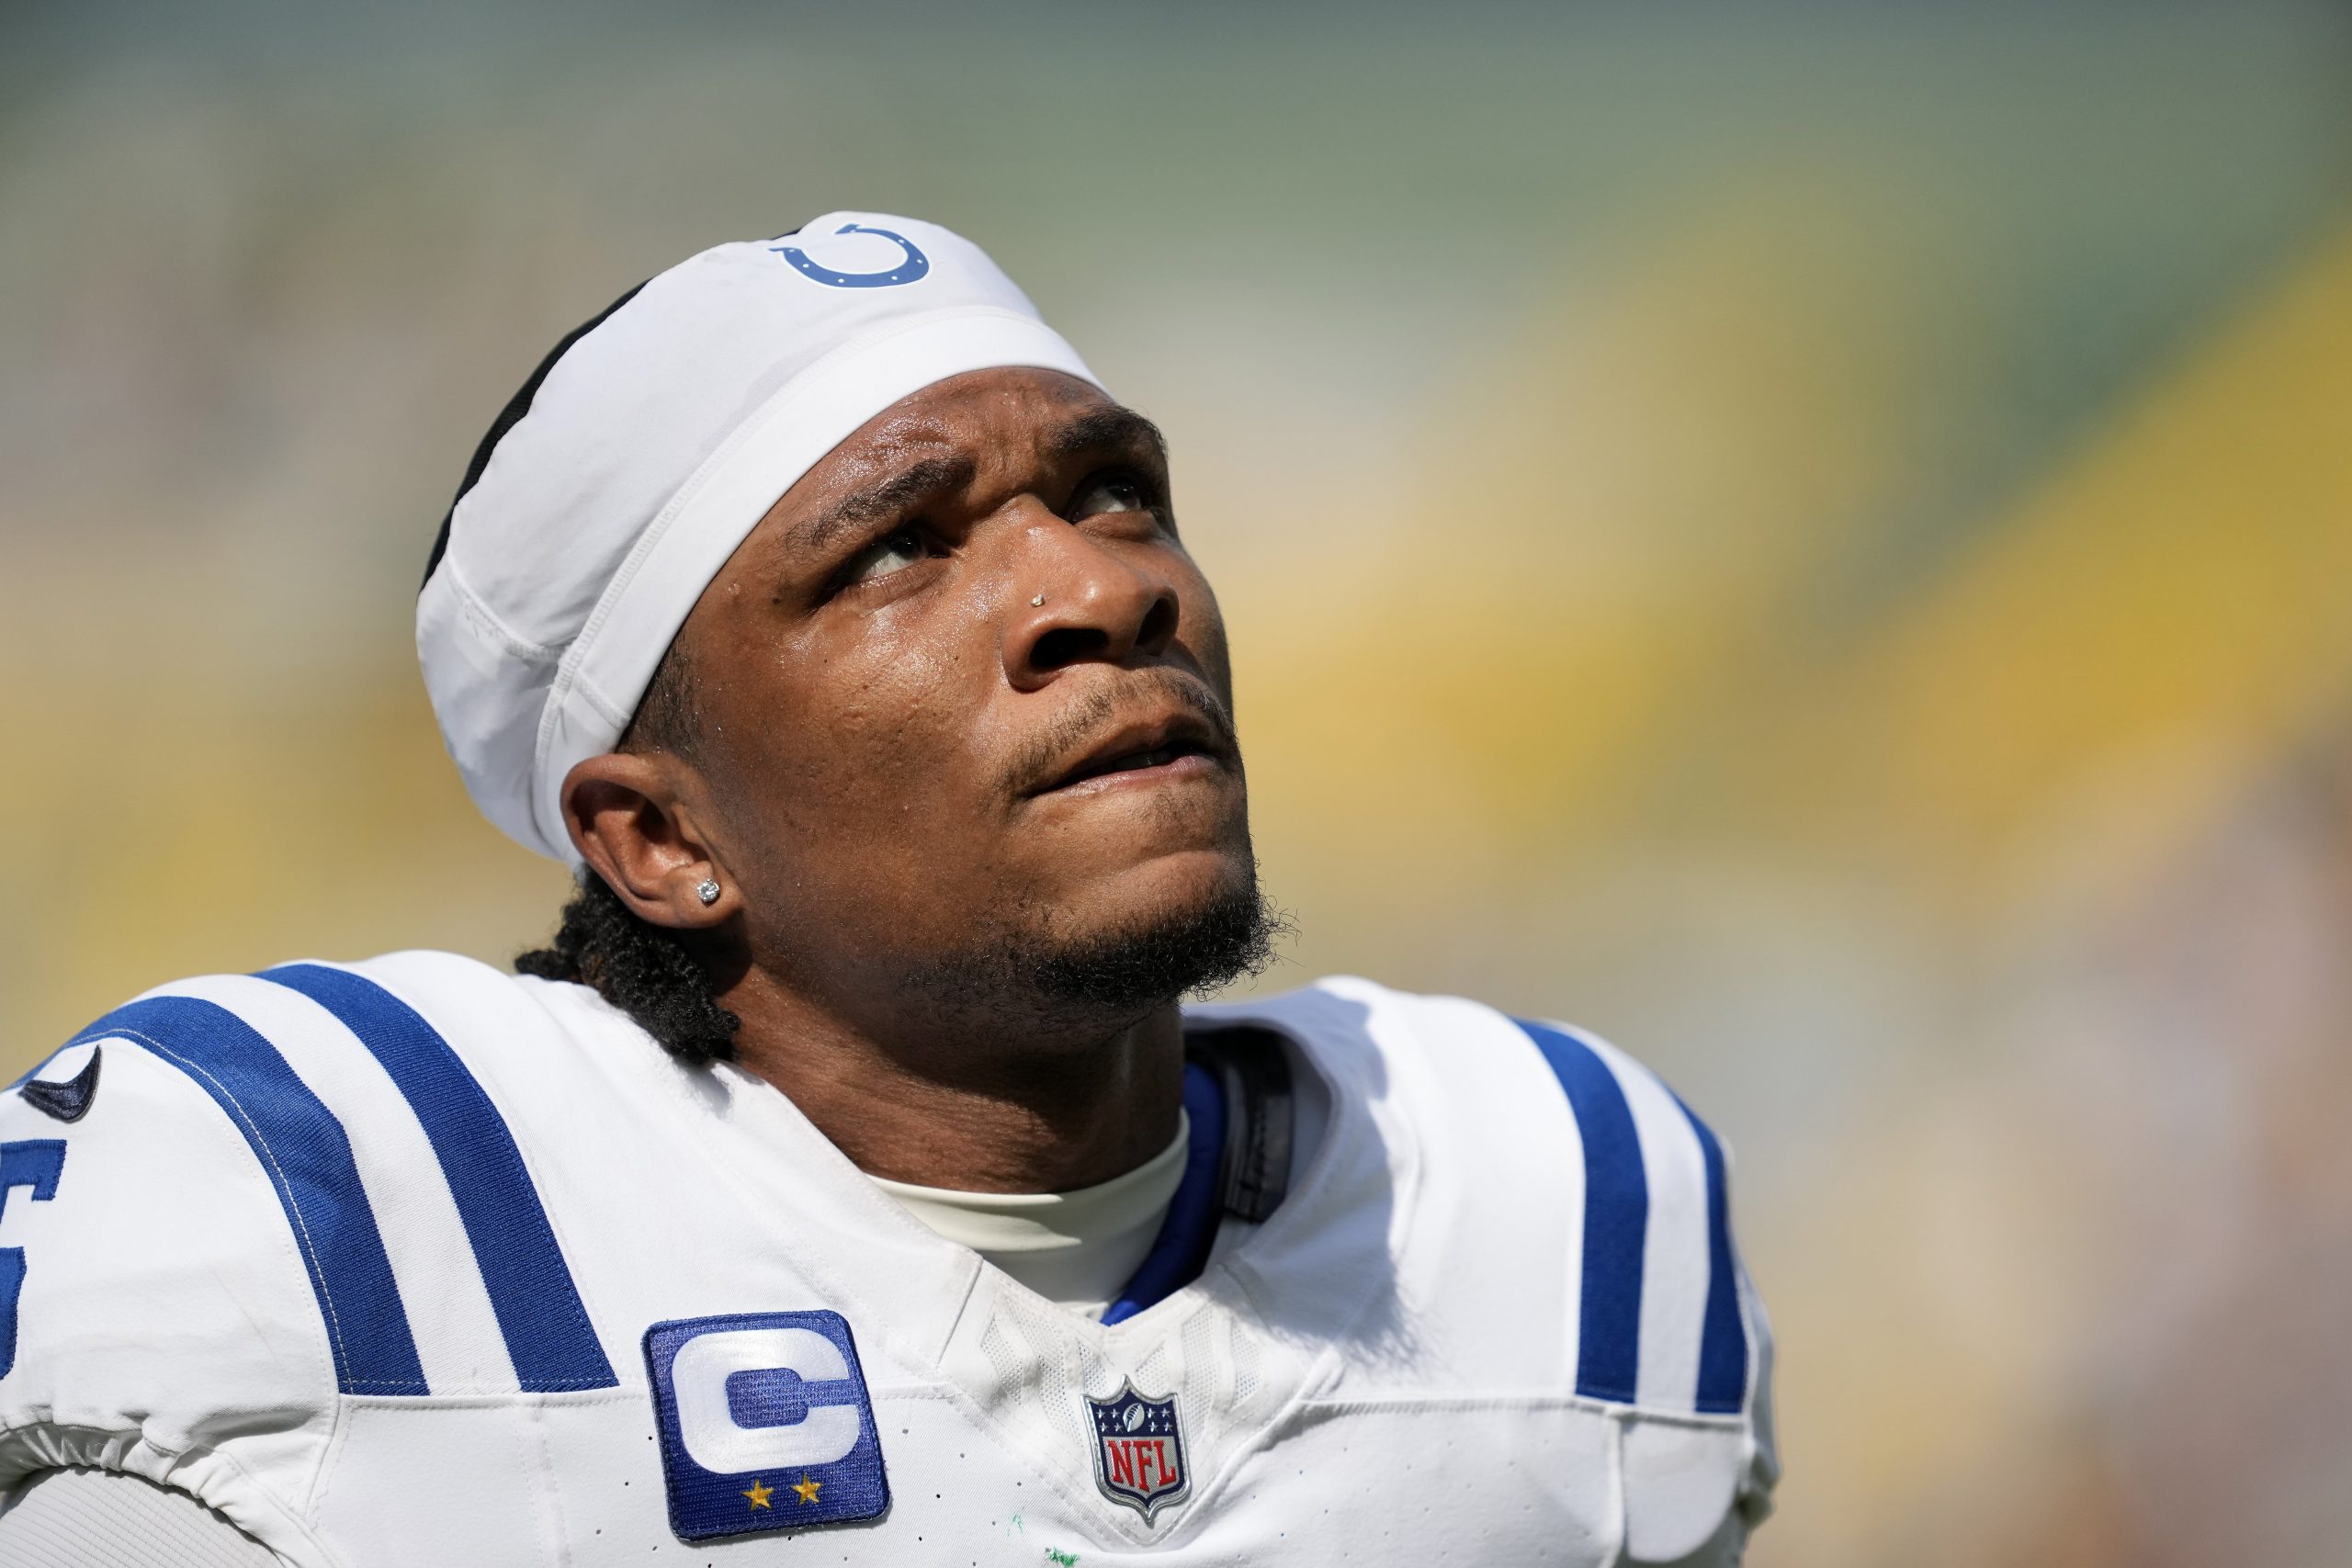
[1159, 628]
[1068, 645]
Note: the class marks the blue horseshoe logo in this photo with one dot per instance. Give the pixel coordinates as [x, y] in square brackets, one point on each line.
[908, 271]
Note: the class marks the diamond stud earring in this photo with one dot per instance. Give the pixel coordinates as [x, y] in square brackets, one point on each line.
[707, 890]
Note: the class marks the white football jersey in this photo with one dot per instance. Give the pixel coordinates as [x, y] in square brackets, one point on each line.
[417, 1261]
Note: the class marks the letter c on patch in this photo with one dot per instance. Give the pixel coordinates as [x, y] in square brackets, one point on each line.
[706, 1424]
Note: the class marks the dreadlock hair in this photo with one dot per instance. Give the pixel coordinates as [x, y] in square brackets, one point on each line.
[645, 970]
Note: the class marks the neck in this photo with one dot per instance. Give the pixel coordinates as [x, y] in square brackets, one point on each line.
[948, 1104]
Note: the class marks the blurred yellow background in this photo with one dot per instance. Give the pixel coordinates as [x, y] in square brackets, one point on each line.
[1814, 539]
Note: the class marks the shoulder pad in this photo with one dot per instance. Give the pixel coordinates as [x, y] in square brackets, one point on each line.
[1662, 1319]
[366, 1163]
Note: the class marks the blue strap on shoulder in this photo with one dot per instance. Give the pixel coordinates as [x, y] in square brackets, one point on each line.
[1181, 1250]
[549, 1338]
[307, 1155]
[1616, 1216]
[1722, 1343]
[1616, 1224]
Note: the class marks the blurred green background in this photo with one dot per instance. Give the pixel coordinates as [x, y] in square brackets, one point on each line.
[1815, 539]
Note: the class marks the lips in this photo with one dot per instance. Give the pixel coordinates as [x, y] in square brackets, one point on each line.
[1139, 747]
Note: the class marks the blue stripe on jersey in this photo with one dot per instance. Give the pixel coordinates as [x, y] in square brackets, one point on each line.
[1616, 1215]
[549, 1338]
[1722, 1343]
[303, 1149]
[1181, 1250]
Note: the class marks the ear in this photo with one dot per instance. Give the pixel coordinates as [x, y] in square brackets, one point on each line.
[628, 818]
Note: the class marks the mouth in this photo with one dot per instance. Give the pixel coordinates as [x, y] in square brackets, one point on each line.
[1174, 746]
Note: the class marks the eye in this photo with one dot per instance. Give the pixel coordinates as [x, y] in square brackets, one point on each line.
[1109, 492]
[892, 552]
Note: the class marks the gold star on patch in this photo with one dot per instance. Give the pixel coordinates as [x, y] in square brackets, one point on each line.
[807, 1489]
[760, 1493]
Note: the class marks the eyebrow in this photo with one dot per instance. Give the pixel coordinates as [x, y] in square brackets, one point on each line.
[1104, 430]
[1108, 430]
[932, 476]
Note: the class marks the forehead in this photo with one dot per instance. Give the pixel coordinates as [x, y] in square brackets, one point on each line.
[984, 429]
[990, 417]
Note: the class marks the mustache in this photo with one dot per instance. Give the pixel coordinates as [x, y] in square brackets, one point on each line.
[1042, 758]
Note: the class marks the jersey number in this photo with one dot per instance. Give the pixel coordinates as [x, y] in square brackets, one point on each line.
[33, 1162]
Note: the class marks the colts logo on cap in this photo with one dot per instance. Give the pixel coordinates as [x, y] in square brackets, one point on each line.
[911, 268]
[1139, 1451]
[766, 1424]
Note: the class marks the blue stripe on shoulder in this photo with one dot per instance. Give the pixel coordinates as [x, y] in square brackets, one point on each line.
[548, 1336]
[1616, 1216]
[308, 1156]
[1723, 1342]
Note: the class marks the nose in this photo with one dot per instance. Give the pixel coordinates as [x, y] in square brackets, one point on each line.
[1077, 600]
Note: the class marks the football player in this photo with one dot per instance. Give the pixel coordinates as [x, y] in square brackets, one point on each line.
[844, 1182]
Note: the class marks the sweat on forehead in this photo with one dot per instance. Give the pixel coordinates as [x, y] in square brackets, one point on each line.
[619, 481]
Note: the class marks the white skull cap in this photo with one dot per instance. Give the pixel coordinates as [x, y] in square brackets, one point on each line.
[615, 485]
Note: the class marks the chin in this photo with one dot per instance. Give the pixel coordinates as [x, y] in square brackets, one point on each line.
[1173, 886]
[1135, 848]
[1113, 945]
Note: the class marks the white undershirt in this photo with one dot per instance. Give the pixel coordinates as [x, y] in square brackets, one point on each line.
[1073, 1248]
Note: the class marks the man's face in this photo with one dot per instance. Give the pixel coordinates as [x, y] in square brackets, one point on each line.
[962, 695]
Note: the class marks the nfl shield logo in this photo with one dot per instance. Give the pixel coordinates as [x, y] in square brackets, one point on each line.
[1139, 1451]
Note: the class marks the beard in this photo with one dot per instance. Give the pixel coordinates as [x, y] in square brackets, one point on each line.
[1107, 978]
